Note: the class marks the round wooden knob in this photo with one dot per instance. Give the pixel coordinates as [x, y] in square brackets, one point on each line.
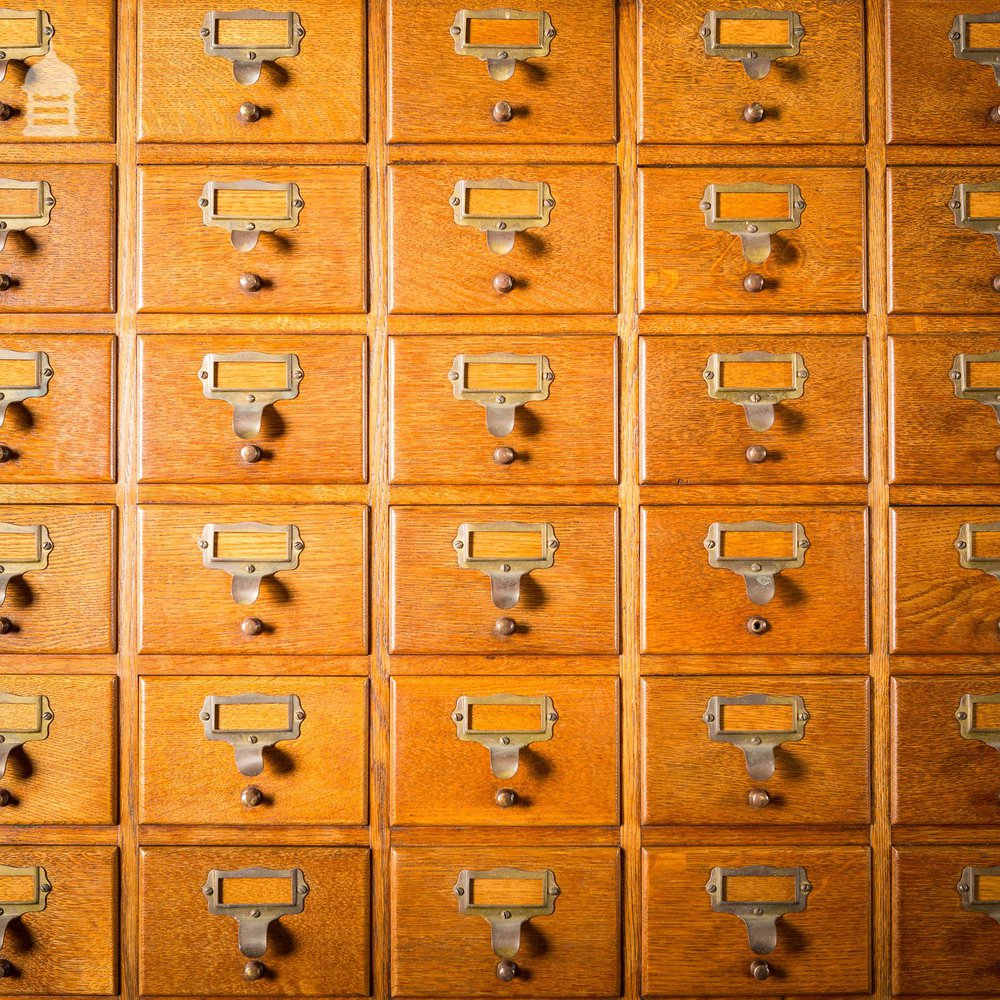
[4, 797]
[759, 969]
[753, 282]
[251, 626]
[250, 453]
[503, 283]
[506, 797]
[758, 798]
[5, 282]
[502, 112]
[505, 626]
[253, 970]
[251, 796]
[756, 454]
[251, 282]
[753, 113]
[506, 970]
[504, 455]
[249, 112]
[757, 625]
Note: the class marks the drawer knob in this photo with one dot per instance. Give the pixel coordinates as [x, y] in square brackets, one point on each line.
[251, 282]
[6, 625]
[502, 112]
[994, 115]
[506, 970]
[996, 282]
[6, 454]
[5, 282]
[503, 283]
[502, 455]
[253, 970]
[251, 796]
[757, 625]
[759, 969]
[248, 113]
[753, 282]
[4, 797]
[251, 626]
[758, 798]
[505, 627]
[756, 454]
[251, 453]
[506, 797]
[753, 113]
[5, 112]
[5, 968]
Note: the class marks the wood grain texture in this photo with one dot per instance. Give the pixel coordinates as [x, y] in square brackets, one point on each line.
[689, 97]
[318, 437]
[316, 96]
[436, 95]
[822, 779]
[322, 951]
[687, 437]
[571, 437]
[317, 267]
[439, 607]
[823, 949]
[573, 952]
[438, 266]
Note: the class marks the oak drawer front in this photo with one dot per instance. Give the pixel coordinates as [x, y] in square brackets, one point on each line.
[442, 606]
[61, 565]
[708, 744]
[62, 766]
[315, 95]
[63, 93]
[198, 770]
[690, 268]
[692, 606]
[938, 947]
[935, 96]
[323, 950]
[689, 96]
[80, 914]
[59, 255]
[573, 951]
[306, 423]
[62, 429]
[944, 755]
[438, 94]
[447, 426]
[316, 265]
[568, 265]
[938, 605]
[823, 948]
[450, 766]
[697, 409]
[318, 606]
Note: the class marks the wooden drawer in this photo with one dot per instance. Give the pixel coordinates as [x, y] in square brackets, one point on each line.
[824, 948]
[301, 430]
[574, 951]
[939, 948]
[319, 606]
[940, 776]
[316, 266]
[439, 606]
[943, 428]
[935, 96]
[688, 436]
[320, 951]
[317, 774]
[689, 97]
[440, 95]
[68, 606]
[440, 266]
[938, 606]
[565, 769]
[689, 606]
[62, 428]
[559, 386]
[62, 769]
[70, 948]
[65, 94]
[68, 263]
[818, 267]
[819, 767]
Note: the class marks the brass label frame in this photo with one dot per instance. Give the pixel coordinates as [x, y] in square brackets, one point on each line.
[959, 205]
[18, 567]
[249, 744]
[248, 575]
[501, 230]
[959, 374]
[247, 62]
[244, 232]
[12, 909]
[757, 403]
[502, 60]
[758, 574]
[19, 53]
[966, 544]
[501, 404]
[39, 219]
[505, 745]
[958, 34]
[18, 394]
[755, 234]
[756, 61]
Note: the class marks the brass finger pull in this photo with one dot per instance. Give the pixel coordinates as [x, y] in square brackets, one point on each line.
[758, 571]
[248, 552]
[250, 381]
[21, 45]
[756, 380]
[758, 745]
[505, 551]
[968, 558]
[753, 37]
[482, 34]
[25, 375]
[32, 901]
[247, 56]
[977, 207]
[732, 209]
[760, 916]
[505, 745]
[253, 918]
[23, 549]
[34, 216]
[502, 208]
[500, 383]
[245, 209]
[965, 36]
[250, 743]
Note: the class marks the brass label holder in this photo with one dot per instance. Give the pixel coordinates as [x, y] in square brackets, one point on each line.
[959, 36]
[39, 47]
[11, 739]
[249, 744]
[757, 403]
[500, 403]
[959, 205]
[38, 386]
[11, 909]
[760, 916]
[987, 395]
[18, 567]
[505, 745]
[966, 716]
[248, 62]
[254, 919]
[247, 575]
[244, 231]
[501, 230]
[966, 546]
[758, 573]
[758, 745]
[757, 59]
[248, 402]
[36, 219]
[755, 234]
[502, 60]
